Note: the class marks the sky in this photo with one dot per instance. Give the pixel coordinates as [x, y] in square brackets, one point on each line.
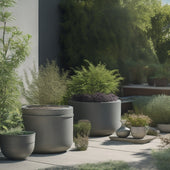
[166, 2]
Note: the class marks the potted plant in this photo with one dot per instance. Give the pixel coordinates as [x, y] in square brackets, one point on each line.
[157, 108]
[81, 133]
[91, 92]
[14, 49]
[17, 144]
[138, 123]
[52, 122]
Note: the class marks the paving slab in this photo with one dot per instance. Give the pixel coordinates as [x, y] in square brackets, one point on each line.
[100, 149]
[146, 139]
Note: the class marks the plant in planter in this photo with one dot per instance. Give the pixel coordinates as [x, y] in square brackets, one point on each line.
[138, 123]
[157, 108]
[52, 122]
[81, 133]
[14, 47]
[17, 144]
[157, 75]
[91, 92]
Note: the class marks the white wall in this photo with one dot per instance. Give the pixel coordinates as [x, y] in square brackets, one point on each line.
[26, 15]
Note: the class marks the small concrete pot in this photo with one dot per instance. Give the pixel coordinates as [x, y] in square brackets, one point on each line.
[138, 132]
[17, 147]
[165, 128]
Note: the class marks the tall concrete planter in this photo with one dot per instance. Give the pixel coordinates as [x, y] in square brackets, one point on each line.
[53, 126]
[104, 116]
[17, 147]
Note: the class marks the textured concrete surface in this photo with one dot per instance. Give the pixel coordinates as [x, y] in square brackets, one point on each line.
[100, 149]
[146, 139]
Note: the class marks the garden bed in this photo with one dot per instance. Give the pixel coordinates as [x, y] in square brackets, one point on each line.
[144, 90]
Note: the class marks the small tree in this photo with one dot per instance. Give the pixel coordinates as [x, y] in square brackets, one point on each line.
[14, 47]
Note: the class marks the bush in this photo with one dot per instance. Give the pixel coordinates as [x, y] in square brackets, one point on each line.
[82, 128]
[137, 120]
[156, 107]
[14, 48]
[47, 87]
[94, 79]
[97, 97]
[81, 133]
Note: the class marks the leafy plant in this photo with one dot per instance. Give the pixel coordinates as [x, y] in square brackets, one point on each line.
[137, 120]
[48, 86]
[14, 47]
[81, 133]
[156, 107]
[94, 79]
[82, 128]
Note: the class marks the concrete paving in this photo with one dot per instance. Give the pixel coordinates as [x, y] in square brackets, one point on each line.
[100, 149]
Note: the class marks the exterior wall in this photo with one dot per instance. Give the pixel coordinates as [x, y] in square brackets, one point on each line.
[26, 14]
[48, 31]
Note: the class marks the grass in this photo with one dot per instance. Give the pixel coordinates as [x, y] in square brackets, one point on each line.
[111, 165]
[162, 159]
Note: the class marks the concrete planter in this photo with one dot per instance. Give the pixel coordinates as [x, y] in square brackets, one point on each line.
[138, 132]
[104, 116]
[17, 147]
[164, 128]
[53, 126]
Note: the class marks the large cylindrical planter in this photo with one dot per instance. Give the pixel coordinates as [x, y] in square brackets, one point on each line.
[53, 126]
[17, 147]
[104, 116]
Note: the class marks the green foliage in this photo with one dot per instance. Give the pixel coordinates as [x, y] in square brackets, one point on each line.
[94, 79]
[82, 128]
[117, 165]
[160, 32]
[48, 86]
[81, 132]
[14, 47]
[15, 131]
[137, 120]
[106, 31]
[156, 107]
[162, 159]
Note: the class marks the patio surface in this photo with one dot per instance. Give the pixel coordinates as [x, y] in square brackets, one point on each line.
[100, 149]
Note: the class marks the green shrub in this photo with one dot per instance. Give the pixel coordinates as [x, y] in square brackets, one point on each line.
[82, 128]
[13, 131]
[81, 133]
[94, 79]
[156, 107]
[47, 87]
[14, 48]
[137, 120]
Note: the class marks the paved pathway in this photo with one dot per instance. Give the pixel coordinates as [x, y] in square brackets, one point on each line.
[99, 150]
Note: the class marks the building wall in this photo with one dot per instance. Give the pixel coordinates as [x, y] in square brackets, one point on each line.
[26, 14]
[48, 31]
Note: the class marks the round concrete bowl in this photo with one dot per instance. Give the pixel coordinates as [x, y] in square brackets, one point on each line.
[53, 126]
[138, 132]
[104, 116]
[17, 147]
[164, 128]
